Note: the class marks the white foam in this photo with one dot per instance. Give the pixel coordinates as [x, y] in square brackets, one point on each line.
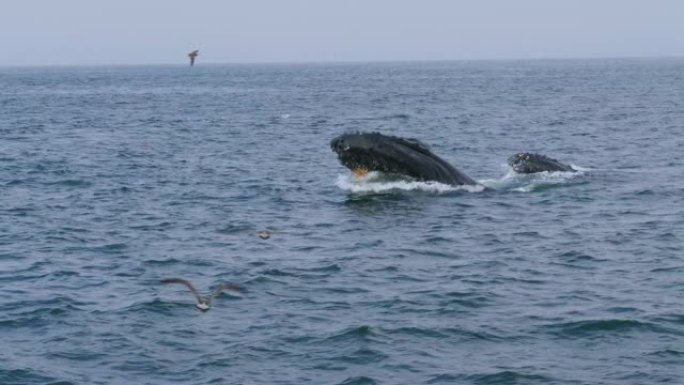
[528, 182]
[580, 168]
[376, 182]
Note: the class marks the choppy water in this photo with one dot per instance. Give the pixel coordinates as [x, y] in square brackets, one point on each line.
[114, 178]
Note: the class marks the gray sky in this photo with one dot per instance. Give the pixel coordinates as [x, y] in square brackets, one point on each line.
[47, 32]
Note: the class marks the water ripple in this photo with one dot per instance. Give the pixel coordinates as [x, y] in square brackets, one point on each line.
[114, 178]
[604, 327]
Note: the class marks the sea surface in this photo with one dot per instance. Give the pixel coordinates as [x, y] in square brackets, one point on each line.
[114, 178]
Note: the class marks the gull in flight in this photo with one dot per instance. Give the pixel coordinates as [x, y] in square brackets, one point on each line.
[204, 304]
[192, 55]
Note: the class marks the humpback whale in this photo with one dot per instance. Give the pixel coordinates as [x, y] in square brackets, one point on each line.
[192, 55]
[204, 304]
[528, 163]
[363, 152]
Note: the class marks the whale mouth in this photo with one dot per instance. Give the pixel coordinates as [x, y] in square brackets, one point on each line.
[362, 155]
[361, 172]
[519, 162]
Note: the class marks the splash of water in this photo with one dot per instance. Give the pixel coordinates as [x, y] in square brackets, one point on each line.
[376, 182]
[530, 182]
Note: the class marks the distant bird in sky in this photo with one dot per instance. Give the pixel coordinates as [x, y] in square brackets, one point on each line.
[192, 55]
[204, 304]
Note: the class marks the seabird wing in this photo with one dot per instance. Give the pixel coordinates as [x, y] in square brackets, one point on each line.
[186, 283]
[227, 286]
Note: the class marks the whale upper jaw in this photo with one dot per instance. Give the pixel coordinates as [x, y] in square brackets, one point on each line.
[390, 154]
[357, 153]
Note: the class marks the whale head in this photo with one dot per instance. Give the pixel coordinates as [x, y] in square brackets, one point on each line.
[363, 152]
[528, 163]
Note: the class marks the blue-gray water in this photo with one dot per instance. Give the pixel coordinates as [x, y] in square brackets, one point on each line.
[114, 178]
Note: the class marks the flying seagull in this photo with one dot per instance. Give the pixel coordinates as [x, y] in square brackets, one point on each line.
[205, 303]
[192, 55]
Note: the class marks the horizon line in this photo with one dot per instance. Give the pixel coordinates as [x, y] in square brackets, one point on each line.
[343, 62]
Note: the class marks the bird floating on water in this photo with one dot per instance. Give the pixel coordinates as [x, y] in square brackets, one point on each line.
[204, 304]
[264, 234]
[192, 55]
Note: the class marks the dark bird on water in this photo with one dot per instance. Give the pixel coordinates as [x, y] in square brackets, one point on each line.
[204, 304]
[192, 55]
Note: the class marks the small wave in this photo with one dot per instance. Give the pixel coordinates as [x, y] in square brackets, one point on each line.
[265, 279]
[318, 123]
[502, 377]
[376, 182]
[78, 354]
[361, 380]
[156, 306]
[332, 268]
[306, 273]
[161, 226]
[667, 354]
[162, 262]
[576, 259]
[37, 314]
[27, 376]
[398, 116]
[278, 273]
[16, 182]
[460, 300]
[362, 356]
[362, 333]
[110, 247]
[71, 183]
[235, 229]
[533, 182]
[442, 333]
[414, 331]
[445, 379]
[509, 377]
[599, 327]
[677, 319]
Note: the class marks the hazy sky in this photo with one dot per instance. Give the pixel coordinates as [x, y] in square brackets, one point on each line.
[46, 32]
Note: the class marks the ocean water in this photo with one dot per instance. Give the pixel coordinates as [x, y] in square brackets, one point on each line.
[113, 178]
